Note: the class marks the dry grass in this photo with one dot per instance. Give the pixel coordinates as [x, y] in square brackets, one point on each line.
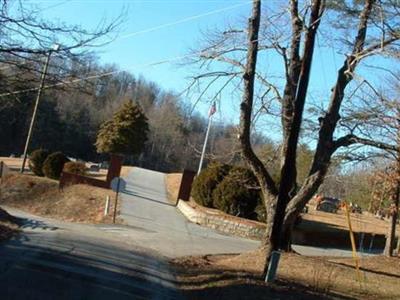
[380, 276]
[322, 277]
[15, 164]
[360, 222]
[41, 196]
[173, 182]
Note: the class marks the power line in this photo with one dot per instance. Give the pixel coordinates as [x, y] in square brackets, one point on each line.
[184, 20]
[127, 36]
[151, 29]
[139, 1]
[95, 76]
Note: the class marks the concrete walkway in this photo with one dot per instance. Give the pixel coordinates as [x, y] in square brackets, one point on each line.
[160, 226]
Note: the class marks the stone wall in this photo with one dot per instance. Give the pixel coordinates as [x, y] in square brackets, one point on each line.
[220, 221]
[306, 235]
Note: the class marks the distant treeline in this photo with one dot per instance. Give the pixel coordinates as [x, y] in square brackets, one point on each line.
[69, 116]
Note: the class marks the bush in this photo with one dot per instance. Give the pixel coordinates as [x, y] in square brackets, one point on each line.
[78, 168]
[36, 161]
[205, 183]
[238, 194]
[126, 133]
[54, 164]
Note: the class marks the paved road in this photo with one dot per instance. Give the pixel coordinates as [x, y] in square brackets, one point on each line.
[164, 228]
[57, 260]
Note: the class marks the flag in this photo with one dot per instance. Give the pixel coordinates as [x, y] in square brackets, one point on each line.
[212, 110]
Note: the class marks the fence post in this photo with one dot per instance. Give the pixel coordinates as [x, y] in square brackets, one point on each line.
[107, 206]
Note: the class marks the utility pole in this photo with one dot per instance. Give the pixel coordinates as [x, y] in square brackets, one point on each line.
[42, 80]
[210, 114]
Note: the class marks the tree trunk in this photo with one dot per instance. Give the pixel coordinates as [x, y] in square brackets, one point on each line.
[266, 244]
[398, 246]
[390, 240]
[268, 187]
[287, 234]
[288, 170]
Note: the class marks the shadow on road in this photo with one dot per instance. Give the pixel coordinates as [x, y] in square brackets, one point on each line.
[35, 224]
[132, 193]
[35, 268]
[76, 267]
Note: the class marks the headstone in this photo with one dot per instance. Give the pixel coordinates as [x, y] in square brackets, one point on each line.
[94, 168]
[4, 170]
[327, 206]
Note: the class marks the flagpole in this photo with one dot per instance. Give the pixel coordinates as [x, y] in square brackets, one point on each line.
[204, 145]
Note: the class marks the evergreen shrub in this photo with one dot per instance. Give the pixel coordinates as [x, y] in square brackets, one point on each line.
[36, 160]
[205, 183]
[54, 164]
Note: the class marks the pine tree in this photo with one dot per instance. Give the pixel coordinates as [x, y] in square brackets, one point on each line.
[126, 133]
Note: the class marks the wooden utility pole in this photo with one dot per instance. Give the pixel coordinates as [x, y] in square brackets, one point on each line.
[42, 80]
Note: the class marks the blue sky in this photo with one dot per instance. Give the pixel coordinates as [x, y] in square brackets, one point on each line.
[134, 48]
[157, 30]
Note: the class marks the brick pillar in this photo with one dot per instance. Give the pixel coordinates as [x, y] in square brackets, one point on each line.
[114, 169]
[186, 185]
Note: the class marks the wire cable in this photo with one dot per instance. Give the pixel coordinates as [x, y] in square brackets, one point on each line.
[184, 20]
[95, 76]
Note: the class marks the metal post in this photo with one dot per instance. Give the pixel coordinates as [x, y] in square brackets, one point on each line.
[353, 243]
[273, 266]
[42, 80]
[116, 200]
[204, 145]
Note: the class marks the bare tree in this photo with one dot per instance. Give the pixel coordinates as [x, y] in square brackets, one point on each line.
[284, 200]
[26, 38]
[374, 121]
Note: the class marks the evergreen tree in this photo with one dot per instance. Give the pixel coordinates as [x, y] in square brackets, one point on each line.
[126, 133]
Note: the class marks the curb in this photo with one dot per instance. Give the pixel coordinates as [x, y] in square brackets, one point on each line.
[222, 222]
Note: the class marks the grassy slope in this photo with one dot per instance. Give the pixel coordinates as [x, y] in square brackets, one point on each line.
[204, 275]
[172, 182]
[41, 196]
[322, 277]
[360, 223]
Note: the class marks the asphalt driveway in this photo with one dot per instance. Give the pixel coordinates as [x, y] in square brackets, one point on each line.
[164, 229]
